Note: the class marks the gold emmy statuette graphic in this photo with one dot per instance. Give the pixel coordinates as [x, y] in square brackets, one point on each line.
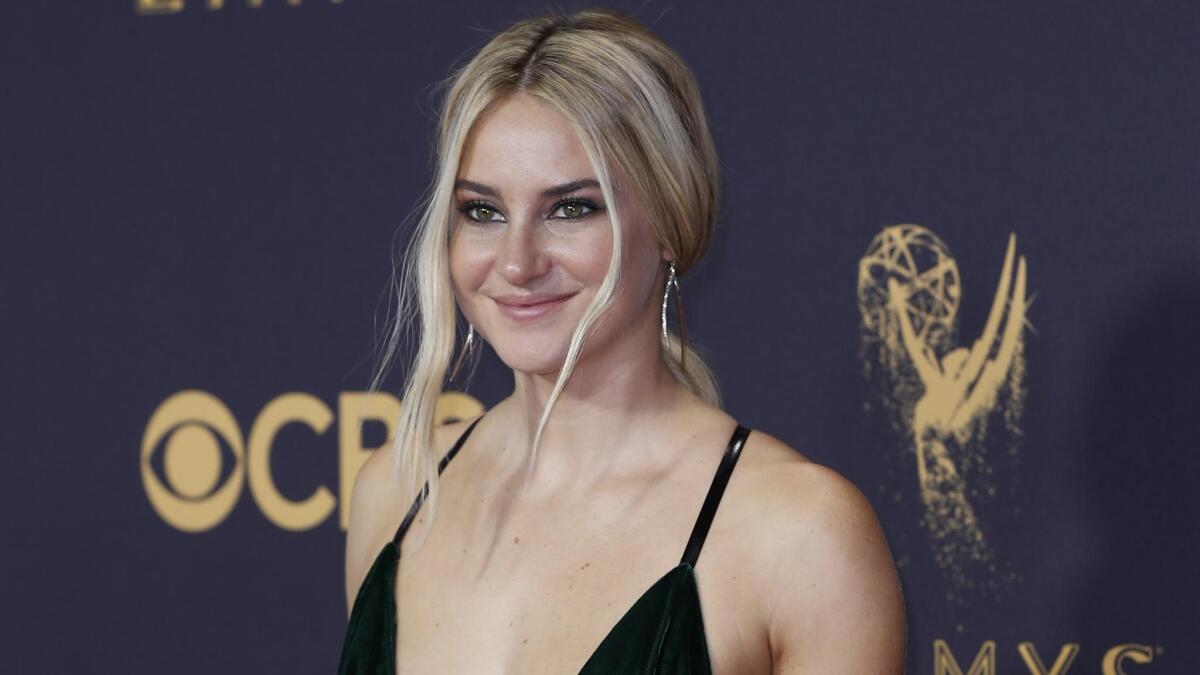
[909, 292]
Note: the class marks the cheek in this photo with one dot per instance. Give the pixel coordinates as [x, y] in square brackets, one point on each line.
[584, 254]
[641, 263]
[469, 265]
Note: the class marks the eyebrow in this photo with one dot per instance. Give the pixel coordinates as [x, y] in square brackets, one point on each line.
[548, 192]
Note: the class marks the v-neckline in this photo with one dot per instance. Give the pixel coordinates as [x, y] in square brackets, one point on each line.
[389, 557]
[393, 610]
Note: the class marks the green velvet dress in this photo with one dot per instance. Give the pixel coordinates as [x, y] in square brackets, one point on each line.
[661, 634]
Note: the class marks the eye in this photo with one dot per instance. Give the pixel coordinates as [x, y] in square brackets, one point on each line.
[480, 212]
[575, 208]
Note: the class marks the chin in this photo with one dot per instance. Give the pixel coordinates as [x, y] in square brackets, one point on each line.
[533, 356]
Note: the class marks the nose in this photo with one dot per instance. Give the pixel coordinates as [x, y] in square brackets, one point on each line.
[521, 257]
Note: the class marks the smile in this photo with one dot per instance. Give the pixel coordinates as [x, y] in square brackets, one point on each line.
[531, 307]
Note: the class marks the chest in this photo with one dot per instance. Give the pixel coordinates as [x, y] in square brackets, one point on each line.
[538, 597]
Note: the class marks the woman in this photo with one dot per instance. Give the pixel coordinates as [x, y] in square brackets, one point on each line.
[576, 181]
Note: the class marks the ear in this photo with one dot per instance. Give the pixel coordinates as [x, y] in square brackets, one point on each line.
[667, 255]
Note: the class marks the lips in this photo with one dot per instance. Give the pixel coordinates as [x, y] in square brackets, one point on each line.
[531, 306]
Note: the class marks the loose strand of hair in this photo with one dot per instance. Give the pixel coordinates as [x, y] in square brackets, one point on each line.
[600, 303]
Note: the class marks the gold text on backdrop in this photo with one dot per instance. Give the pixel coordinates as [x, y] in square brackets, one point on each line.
[156, 7]
[190, 425]
[1111, 663]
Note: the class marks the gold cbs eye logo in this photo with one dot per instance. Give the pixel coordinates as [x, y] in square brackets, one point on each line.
[191, 425]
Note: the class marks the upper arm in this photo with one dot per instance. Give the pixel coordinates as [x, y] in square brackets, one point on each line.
[371, 500]
[836, 601]
[378, 502]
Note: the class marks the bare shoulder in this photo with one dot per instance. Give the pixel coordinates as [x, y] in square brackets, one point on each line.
[378, 503]
[791, 485]
[830, 589]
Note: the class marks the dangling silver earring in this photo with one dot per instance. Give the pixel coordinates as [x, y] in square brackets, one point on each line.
[467, 348]
[673, 280]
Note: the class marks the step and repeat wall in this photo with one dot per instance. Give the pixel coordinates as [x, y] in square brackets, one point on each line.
[958, 261]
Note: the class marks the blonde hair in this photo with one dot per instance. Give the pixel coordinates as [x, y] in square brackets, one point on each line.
[635, 104]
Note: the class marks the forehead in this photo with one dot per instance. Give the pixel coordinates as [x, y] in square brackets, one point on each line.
[520, 142]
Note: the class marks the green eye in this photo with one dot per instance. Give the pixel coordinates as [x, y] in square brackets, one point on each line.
[574, 209]
[479, 212]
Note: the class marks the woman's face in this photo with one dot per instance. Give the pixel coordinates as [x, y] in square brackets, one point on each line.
[531, 240]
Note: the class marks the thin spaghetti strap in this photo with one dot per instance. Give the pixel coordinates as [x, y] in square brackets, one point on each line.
[416, 506]
[696, 542]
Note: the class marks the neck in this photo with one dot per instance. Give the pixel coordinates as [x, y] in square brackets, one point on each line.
[608, 416]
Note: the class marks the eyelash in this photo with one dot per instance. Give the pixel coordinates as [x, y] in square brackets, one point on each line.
[472, 204]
